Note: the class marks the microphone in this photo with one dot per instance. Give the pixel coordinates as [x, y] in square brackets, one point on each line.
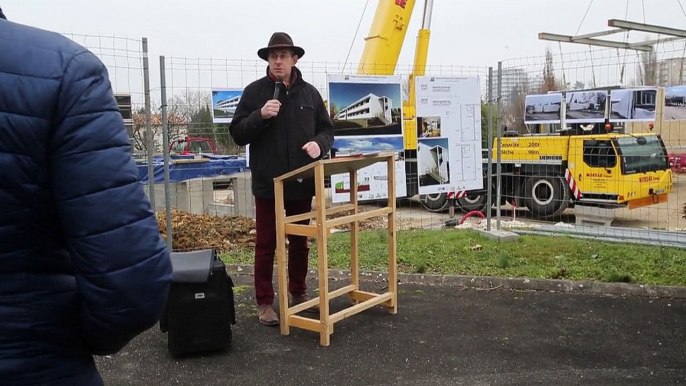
[277, 88]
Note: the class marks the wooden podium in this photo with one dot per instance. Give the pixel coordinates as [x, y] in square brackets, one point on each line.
[321, 231]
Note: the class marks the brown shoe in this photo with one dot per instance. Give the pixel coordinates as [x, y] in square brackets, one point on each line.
[267, 315]
[297, 299]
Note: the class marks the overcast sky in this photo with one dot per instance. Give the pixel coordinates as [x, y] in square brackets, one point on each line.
[465, 33]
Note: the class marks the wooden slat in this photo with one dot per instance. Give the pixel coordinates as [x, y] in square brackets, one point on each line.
[392, 240]
[363, 296]
[188, 161]
[356, 309]
[357, 217]
[336, 166]
[313, 214]
[303, 306]
[301, 230]
[323, 258]
[281, 257]
[354, 234]
[305, 323]
[313, 302]
[342, 291]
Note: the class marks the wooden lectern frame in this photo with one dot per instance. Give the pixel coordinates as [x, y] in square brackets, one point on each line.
[362, 300]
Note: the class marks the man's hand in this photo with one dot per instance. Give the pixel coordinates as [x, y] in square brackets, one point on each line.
[312, 149]
[270, 109]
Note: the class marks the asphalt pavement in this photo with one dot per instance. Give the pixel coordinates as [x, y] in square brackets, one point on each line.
[440, 336]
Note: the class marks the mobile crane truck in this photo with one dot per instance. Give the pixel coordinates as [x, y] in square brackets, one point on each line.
[544, 173]
[601, 167]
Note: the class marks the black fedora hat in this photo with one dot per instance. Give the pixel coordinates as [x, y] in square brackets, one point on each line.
[280, 40]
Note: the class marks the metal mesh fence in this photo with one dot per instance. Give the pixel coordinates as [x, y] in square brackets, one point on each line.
[190, 83]
[554, 176]
[542, 176]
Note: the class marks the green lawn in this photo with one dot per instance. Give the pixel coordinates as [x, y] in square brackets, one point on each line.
[468, 253]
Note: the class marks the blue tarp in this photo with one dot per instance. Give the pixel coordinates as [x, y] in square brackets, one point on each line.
[215, 166]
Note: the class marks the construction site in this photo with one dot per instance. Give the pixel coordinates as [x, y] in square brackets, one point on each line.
[529, 183]
[529, 170]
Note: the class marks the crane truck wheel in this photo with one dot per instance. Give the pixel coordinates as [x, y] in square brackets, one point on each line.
[437, 202]
[472, 201]
[546, 196]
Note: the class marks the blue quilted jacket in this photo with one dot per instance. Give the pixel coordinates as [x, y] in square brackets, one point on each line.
[83, 268]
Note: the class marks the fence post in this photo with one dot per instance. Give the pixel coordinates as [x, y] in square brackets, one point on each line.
[489, 194]
[148, 126]
[499, 173]
[165, 151]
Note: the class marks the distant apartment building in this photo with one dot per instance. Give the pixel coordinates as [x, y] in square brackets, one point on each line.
[513, 81]
[671, 72]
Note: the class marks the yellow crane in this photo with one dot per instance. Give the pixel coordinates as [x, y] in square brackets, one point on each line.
[634, 171]
[380, 57]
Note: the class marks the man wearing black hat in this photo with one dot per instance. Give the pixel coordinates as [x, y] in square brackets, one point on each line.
[284, 120]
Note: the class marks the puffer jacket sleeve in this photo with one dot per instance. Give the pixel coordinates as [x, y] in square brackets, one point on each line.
[121, 262]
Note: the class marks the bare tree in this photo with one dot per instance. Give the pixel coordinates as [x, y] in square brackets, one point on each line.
[514, 119]
[177, 127]
[405, 84]
[549, 81]
[646, 72]
[187, 103]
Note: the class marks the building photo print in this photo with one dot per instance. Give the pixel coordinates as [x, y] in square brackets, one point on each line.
[675, 103]
[586, 106]
[365, 108]
[428, 127]
[633, 104]
[224, 102]
[543, 108]
[433, 156]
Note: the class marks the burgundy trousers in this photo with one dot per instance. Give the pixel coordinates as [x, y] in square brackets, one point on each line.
[265, 250]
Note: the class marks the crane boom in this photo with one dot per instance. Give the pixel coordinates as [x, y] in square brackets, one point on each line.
[386, 37]
[380, 57]
[420, 58]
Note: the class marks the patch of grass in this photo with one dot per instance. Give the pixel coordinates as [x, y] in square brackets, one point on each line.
[469, 253]
[241, 288]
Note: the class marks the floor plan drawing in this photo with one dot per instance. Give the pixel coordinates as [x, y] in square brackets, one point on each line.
[471, 122]
[468, 167]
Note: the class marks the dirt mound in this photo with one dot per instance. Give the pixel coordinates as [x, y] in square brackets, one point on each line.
[226, 233]
[195, 231]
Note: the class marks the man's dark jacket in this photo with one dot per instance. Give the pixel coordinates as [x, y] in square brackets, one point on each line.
[276, 143]
[83, 268]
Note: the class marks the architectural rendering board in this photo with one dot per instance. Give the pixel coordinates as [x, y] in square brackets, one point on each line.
[448, 134]
[224, 102]
[367, 113]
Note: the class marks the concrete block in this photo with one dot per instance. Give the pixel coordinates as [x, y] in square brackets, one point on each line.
[191, 196]
[591, 215]
[243, 200]
[500, 235]
[217, 209]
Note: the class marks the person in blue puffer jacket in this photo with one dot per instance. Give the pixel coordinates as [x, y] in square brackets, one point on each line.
[83, 268]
